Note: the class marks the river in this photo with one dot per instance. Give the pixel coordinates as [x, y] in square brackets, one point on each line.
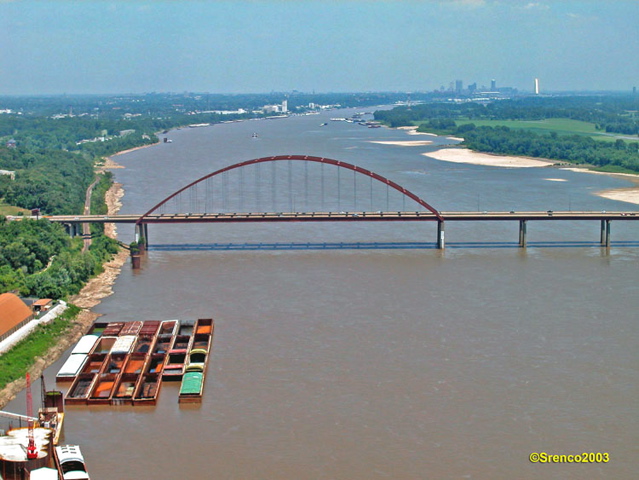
[387, 363]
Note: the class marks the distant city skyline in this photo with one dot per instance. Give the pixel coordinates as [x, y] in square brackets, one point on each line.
[136, 46]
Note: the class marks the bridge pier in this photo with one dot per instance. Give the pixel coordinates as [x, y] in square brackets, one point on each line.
[441, 243]
[522, 233]
[73, 229]
[605, 233]
[142, 235]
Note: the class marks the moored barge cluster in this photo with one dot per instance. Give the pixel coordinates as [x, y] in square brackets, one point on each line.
[122, 363]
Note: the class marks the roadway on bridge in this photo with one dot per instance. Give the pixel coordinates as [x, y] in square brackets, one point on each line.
[340, 216]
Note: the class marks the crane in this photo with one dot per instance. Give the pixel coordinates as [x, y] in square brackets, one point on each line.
[32, 451]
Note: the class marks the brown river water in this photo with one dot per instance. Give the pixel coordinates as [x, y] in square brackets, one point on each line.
[386, 363]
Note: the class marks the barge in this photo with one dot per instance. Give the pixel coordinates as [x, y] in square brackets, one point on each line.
[192, 387]
[124, 363]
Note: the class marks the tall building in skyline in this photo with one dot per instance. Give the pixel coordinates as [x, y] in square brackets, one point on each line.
[536, 86]
[493, 85]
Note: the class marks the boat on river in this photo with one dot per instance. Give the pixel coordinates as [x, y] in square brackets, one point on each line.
[70, 463]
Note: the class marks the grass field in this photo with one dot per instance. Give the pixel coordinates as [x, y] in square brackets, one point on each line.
[11, 210]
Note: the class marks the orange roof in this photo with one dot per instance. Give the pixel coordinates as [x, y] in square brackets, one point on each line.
[43, 301]
[12, 312]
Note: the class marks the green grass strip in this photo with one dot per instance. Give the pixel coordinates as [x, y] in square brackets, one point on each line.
[16, 362]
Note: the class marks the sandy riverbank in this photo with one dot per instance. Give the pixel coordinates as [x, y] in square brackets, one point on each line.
[92, 294]
[413, 131]
[128, 151]
[464, 155]
[628, 195]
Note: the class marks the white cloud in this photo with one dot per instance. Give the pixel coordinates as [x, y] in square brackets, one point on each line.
[536, 6]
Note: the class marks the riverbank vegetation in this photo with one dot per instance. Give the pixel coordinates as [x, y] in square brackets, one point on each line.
[598, 131]
[15, 363]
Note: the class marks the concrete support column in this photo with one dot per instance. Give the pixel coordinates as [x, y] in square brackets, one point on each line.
[522, 233]
[141, 236]
[74, 229]
[441, 243]
[607, 242]
[602, 237]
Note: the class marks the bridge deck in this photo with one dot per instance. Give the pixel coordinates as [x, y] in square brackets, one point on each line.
[340, 216]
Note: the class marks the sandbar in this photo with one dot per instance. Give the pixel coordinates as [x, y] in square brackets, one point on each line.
[628, 195]
[464, 155]
[413, 131]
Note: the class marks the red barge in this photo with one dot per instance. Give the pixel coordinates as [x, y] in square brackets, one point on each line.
[124, 363]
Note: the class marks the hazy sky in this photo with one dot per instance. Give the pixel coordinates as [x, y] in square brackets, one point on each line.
[83, 46]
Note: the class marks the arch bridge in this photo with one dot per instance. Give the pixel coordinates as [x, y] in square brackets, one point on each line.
[289, 188]
[303, 188]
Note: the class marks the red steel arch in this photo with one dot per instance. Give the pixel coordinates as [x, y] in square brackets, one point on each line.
[306, 158]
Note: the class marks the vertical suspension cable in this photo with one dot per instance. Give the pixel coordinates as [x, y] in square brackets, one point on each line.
[290, 185]
[225, 192]
[241, 199]
[193, 195]
[273, 179]
[387, 199]
[339, 189]
[306, 186]
[355, 190]
[207, 194]
[258, 204]
[371, 179]
[322, 184]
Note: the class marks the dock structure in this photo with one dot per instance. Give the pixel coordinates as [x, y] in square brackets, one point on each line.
[124, 363]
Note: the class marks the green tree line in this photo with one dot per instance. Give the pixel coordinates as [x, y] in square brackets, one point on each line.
[611, 113]
[579, 149]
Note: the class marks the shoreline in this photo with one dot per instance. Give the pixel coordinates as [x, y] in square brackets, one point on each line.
[467, 156]
[110, 157]
[92, 293]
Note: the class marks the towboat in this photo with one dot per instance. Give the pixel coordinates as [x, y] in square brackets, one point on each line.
[70, 463]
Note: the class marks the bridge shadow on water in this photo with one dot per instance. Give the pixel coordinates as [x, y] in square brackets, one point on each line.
[177, 247]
